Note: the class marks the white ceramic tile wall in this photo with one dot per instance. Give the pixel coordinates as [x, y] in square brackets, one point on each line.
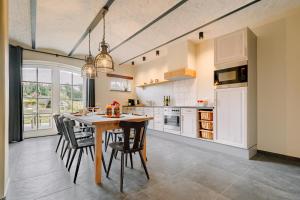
[182, 93]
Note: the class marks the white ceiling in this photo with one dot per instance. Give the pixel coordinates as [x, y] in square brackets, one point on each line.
[60, 23]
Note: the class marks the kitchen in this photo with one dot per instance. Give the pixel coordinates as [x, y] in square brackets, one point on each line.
[193, 101]
[188, 99]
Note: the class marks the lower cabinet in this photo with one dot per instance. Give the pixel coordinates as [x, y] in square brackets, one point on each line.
[189, 122]
[231, 118]
[148, 111]
[158, 119]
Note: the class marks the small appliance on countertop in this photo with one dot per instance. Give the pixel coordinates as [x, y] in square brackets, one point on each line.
[131, 102]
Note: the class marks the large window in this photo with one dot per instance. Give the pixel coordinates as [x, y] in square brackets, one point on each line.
[37, 98]
[49, 88]
[71, 92]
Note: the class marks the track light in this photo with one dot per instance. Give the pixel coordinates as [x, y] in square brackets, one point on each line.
[144, 58]
[132, 63]
[157, 52]
[201, 35]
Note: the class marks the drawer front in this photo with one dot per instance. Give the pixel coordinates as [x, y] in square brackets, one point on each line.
[188, 110]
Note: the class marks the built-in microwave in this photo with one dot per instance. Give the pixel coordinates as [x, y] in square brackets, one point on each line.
[231, 75]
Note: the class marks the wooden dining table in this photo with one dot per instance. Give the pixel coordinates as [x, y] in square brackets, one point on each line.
[102, 124]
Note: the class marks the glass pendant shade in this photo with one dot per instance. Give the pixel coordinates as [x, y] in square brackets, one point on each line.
[88, 70]
[103, 61]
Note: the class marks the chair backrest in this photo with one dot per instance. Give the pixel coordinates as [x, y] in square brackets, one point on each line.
[55, 117]
[69, 127]
[139, 129]
[63, 128]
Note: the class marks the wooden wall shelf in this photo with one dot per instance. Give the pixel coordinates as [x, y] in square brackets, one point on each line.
[151, 84]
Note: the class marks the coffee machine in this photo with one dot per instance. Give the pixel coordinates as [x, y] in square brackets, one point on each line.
[131, 102]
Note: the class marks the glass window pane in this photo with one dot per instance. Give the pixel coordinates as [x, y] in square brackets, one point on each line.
[65, 106]
[77, 79]
[65, 92]
[44, 121]
[44, 106]
[77, 92]
[77, 105]
[45, 90]
[29, 89]
[29, 106]
[29, 122]
[44, 75]
[29, 74]
[65, 77]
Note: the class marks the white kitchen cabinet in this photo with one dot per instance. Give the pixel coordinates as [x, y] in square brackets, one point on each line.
[231, 49]
[138, 111]
[149, 111]
[231, 116]
[189, 122]
[158, 119]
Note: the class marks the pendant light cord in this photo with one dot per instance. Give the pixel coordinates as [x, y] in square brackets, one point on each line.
[90, 43]
[103, 39]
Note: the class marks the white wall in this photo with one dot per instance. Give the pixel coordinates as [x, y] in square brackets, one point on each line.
[279, 85]
[4, 97]
[184, 92]
[103, 94]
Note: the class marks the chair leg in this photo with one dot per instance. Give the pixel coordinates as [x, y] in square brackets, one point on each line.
[116, 154]
[59, 141]
[104, 164]
[78, 165]
[91, 152]
[107, 141]
[62, 149]
[72, 159]
[66, 148]
[110, 161]
[126, 158]
[131, 162]
[69, 155]
[144, 164]
[122, 172]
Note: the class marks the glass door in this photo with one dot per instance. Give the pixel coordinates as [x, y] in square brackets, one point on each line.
[37, 101]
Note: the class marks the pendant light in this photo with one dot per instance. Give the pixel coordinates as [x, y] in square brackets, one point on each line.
[89, 70]
[103, 61]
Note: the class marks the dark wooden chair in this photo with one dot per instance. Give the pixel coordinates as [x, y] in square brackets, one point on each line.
[55, 117]
[128, 146]
[79, 134]
[81, 144]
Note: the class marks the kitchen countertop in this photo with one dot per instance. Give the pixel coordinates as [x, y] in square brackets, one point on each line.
[198, 107]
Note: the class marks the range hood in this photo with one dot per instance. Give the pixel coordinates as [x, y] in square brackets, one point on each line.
[181, 62]
[180, 74]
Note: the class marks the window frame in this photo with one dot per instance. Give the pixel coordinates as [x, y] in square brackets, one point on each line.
[55, 98]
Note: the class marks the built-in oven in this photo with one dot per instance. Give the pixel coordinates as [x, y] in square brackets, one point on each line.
[237, 76]
[172, 120]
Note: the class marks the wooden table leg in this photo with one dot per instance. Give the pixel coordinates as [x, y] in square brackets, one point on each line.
[98, 155]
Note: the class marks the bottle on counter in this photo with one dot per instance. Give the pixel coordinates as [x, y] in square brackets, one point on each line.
[109, 111]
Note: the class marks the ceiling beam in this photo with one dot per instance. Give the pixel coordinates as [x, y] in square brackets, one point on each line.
[33, 23]
[180, 3]
[92, 25]
[193, 30]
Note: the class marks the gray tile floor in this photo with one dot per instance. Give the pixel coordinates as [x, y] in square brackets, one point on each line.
[177, 171]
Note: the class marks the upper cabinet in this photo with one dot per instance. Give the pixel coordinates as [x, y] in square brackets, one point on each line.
[231, 49]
